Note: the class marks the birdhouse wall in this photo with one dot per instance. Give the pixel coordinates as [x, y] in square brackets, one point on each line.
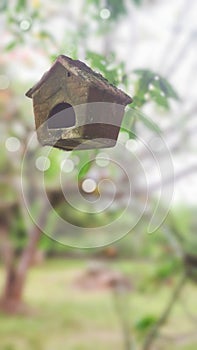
[107, 113]
[60, 86]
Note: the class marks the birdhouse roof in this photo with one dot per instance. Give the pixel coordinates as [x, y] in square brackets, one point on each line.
[84, 72]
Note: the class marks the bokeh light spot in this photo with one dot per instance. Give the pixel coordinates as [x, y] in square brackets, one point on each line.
[67, 166]
[151, 87]
[102, 159]
[43, 163]
[12, 144]
[25, 24]
[89, 185]
[105, 13]
[123, 137]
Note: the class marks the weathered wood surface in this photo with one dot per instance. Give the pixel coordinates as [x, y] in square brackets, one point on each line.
[74, 83]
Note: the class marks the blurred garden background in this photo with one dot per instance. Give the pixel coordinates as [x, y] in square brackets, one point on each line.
[139, 291]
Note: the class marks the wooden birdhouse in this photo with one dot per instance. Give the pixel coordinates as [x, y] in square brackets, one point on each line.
[75, 107]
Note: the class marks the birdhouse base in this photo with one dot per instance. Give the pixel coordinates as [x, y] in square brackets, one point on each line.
[80, 138]
[86, 144]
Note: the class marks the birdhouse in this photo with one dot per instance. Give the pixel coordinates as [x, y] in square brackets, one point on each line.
[75, 107]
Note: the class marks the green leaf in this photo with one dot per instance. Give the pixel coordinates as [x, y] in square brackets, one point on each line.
[114, 73]
[21, 5]
[85, 162]
[95, 2]
[52, 173]
[11, 45]
[159, 98]
[137, 2]
[96, 60]
[128, 123]
[167, 88]
[145, 323]
[53, 57]
[43, 34]
[167, 269]
[3, 5]
[84, 170]
[151, 86]
[117, 8]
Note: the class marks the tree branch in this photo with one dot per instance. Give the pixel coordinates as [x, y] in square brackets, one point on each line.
[154, 332]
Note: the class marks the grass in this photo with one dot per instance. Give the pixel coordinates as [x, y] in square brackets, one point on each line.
[65, 318]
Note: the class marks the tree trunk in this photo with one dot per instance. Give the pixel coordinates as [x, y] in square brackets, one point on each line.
[11, 300]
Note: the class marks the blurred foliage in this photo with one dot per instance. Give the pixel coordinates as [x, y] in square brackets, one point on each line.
[158, 247]
[116, 8]
[3, 5]
[132, 116]
[114, 72]
[21, 5]
[18, 233]
[151, 86]
[183, 226]
[144, 324]
[166, 269]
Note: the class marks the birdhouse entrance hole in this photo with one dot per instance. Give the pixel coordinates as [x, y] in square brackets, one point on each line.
[61, 116]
